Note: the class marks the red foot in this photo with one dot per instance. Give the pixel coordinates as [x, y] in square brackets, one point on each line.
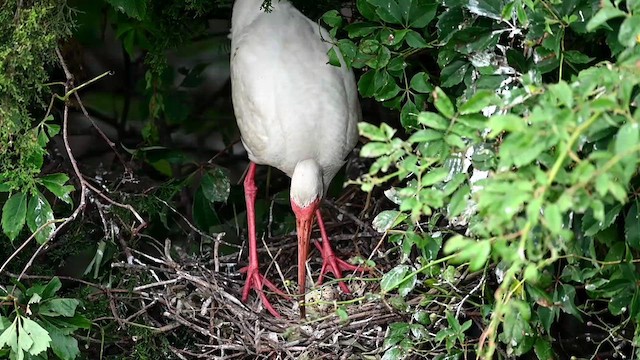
[256, 280]
[330, 262]
[333, 264]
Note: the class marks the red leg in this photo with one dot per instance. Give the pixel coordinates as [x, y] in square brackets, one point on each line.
[255, 280]
[330, 262]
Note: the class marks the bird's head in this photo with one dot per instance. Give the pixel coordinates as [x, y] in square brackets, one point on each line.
[307, 187]
[307, 190]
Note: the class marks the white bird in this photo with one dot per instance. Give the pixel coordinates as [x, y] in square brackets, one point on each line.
[297, 113]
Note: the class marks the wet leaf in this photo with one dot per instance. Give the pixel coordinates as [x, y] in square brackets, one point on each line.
[629, 34]
[215, 185]
[394, 278]
[433, 120]
[478, 101]
[39, 213]
[443, 103]
[14, 214]
[385, 220]
[628, 137]
[632, 226]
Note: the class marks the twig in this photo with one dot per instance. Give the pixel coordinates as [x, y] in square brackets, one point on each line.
[74, 164]
[160, 283]
[142, 222]
[25, 243]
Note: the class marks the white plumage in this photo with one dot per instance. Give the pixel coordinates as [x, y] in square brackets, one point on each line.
[295, 111]
[290, 103]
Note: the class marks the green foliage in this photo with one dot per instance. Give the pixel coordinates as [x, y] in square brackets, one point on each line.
[28, 36]
[520, 140]
[27, 204]
[39, 321]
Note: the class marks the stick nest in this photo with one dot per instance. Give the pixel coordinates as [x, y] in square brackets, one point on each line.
[195, 301]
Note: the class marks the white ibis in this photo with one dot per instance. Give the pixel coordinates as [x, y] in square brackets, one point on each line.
[297, 113]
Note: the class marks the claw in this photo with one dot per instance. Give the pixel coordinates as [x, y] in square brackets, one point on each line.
[330, 262]
[255, 281]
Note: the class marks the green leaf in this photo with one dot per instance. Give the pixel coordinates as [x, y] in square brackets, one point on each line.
[215, 185]
[64, 346]
[467, 250]
[52, 129]
[56, 184]
[481, 251]
[606, 13]
[409, 115]
[629, 34]
[342, 314]
[10, 336]
[567, 295]
[627, 138]
[507, 122]
[427, 135]
[458, 201]
[591, 226]
[52, 288]
[385, 220]
[454, 73]
[59, 307]
[443, 103]
[553, 218]
[562, 91]
[360, 29]
[388, 10]
[415, 40]
[136, 9]
[516, 322]
[478, 101]
[371, 132]
[576, 57]
[421, 13]
[407, 286]
[385, 86]
[14, 214]
[420, 83]
[5, 187]
[393, 278]
[618, 191]
[367, 10]
[394, 353]
[433, 120]
[380, 58]
[39, 213]
[487, 8]
[332, 18]
[333, 57]
[434, 176]
[455, 141]
[36, 335]
[520, 149]
[632, 226]
[375, 149]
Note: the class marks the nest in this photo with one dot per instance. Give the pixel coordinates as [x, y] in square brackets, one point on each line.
[195, 301]
[202, 296]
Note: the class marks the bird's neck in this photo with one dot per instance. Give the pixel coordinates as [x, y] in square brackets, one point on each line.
[246, 11]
